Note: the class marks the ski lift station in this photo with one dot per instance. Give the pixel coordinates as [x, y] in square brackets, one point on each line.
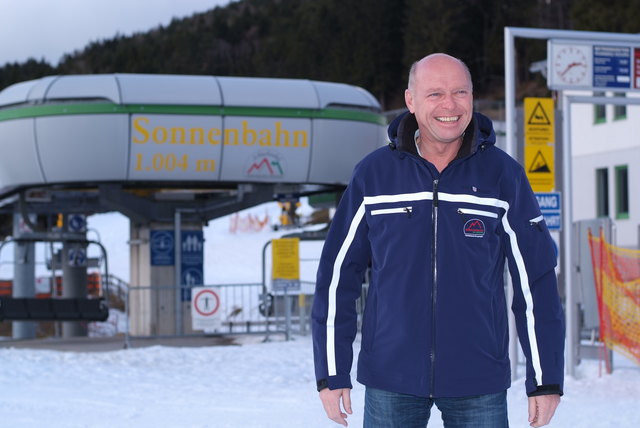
[173, 152]
[170, 152]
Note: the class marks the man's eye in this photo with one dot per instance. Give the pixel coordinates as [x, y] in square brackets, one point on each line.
[434, 95]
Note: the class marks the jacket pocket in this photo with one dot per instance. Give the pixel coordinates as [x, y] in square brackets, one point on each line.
[397, 210]
[478, 223]
[469, 211]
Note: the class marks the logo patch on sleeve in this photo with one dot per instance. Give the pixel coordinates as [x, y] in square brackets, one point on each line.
[474, 228]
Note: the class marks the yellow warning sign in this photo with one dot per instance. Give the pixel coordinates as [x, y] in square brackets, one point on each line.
[539, 124]
[539, 165]
[539, 143]
[285, 257]
[538, 116]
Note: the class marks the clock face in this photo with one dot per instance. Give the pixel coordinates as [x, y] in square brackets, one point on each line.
[571, 65]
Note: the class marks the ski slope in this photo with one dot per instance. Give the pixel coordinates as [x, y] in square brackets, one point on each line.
[252, 385]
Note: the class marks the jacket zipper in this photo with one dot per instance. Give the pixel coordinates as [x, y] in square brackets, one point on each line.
[434, 247]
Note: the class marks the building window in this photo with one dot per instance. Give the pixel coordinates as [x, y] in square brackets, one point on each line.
[622, 192]
[619, 111]
[599, 110]
[602, 192]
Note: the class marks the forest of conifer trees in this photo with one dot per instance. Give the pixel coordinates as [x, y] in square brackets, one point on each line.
[366, 43]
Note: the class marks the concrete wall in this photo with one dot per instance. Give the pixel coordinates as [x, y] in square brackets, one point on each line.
[152, 292]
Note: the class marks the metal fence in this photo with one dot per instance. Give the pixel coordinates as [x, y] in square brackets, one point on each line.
[166, 311]
[243, 309]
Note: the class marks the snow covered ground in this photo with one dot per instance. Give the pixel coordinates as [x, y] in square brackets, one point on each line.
[248, 386]
[252, 384]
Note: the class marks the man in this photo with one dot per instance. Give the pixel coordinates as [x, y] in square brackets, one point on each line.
[436, 215]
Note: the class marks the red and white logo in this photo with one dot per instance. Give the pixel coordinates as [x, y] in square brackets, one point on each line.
[474, 228]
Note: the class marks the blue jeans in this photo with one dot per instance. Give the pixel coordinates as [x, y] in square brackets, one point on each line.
[383, 409]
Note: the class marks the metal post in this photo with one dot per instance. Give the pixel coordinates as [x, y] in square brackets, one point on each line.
[23, 278]
[74, 283]
[178, 274]
[264, 290]
[510, 118]
[127, 311]
[302, 313]
[23, 285]
[570, 316]
[509, 89]
[53, 283]
[287, 313]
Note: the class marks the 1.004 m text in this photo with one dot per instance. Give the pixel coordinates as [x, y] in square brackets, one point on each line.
[171, 162]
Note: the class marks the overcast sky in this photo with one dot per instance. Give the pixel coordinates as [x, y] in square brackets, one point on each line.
[48, 29]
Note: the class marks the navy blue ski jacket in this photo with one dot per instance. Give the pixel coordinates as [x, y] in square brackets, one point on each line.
[435, 318]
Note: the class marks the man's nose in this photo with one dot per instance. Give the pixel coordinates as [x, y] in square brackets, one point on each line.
[448, 101]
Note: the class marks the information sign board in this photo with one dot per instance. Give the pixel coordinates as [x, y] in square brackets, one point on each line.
[550, 206]
[162, 247]
[611, 66]
[191, 261]
[285, 257]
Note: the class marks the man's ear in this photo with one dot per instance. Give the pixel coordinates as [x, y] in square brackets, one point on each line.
[408, 100]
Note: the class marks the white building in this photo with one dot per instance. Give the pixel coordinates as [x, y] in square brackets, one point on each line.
[606, 165]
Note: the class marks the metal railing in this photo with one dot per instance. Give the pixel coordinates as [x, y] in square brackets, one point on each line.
[243, 309]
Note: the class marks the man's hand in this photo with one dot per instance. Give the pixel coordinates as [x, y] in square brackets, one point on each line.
[331, 402]
[542, 408]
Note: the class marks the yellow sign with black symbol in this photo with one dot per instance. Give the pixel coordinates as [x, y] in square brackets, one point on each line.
[285, 254]
[539, 143]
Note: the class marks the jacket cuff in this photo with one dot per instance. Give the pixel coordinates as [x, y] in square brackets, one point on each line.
[546, 390]
[334, 382]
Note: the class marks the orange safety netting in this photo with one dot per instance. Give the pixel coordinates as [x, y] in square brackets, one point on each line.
[250, 223]
[617, 276]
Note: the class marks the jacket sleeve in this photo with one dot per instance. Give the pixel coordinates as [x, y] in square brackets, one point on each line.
[344, 260]
[536, 302]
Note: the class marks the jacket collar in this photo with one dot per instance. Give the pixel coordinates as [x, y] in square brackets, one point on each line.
[479, 132]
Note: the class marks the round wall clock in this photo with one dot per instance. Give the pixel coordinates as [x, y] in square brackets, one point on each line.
[571, 64]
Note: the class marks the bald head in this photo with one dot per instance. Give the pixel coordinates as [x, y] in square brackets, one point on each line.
[440, 96]
[435, 60]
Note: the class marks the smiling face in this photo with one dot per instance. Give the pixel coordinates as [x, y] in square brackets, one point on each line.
[440, 94]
